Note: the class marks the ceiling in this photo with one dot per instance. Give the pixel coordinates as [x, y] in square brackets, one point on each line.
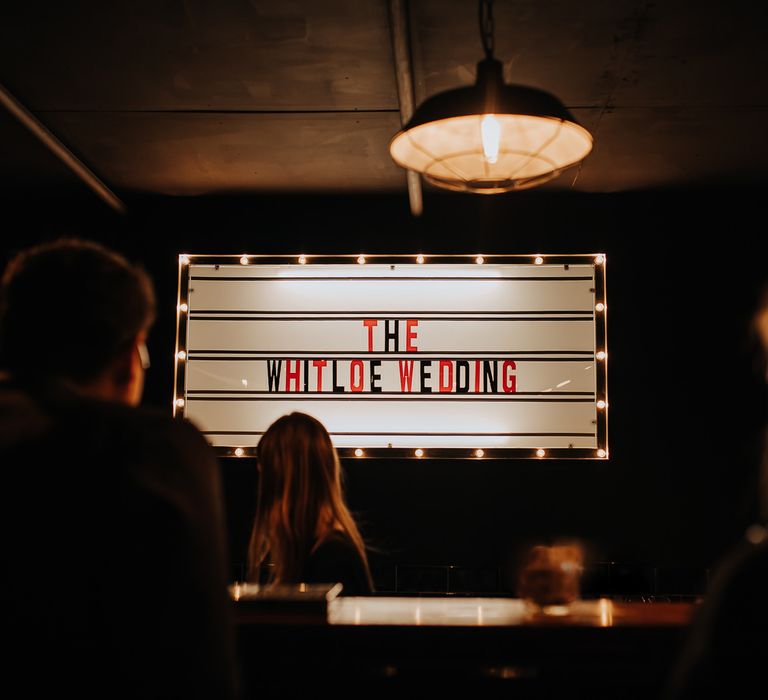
[196, 97]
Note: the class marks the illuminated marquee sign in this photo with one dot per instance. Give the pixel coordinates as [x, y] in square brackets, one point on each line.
[397, 356]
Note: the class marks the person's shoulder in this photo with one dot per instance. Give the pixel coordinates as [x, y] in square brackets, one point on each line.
[335, 541]
[144, 424]
[150, 421]
[130, 434]
[21, 417]
[335, 550]
[164, 439]
[335, 558]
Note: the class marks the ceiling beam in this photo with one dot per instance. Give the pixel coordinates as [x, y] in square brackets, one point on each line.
[56, 147]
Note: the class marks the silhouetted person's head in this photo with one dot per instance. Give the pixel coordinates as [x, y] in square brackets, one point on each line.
[300, 496]
[75, 313]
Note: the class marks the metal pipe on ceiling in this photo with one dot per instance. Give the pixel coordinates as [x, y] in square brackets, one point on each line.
[401, 50]
[31, 122]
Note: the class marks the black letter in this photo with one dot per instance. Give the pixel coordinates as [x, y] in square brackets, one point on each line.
[395, 335]
[424, 376]
[462, 385]
[336, 388]
[490, 376]
[375, 377]
[306, 375]
[273, 374]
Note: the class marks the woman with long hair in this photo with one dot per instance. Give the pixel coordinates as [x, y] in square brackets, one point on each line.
[303, 529]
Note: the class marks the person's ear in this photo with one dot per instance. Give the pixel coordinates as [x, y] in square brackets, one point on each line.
[128, 373]
[761, 323]
[123, 366]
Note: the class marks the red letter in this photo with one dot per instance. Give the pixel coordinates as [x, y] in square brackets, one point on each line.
[356, 386]
[406, 375]
[410, 335]
[292, 376]
[508, 378]
[370, 324]
[477, 375]
[445, 386]
[319, 364]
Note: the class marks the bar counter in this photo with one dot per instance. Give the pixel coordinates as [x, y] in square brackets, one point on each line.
[488, 647]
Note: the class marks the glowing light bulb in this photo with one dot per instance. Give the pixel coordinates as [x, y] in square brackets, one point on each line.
[302, 259]
[601, 404]
[539, 260]
[359, 452]
[490, 133]
[180, 403]
[419, 452]
[361, 260]
[244, 260]
[599, 260]
[420, 259]
[479, 259]
[181, 355]
[239, 452]
[540, 453]
[183, 259]
[183, 308]
[599, 306]
[479, 453]
[600, 355]
[601, 453]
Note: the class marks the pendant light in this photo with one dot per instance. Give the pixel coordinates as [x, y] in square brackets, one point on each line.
[490, 137]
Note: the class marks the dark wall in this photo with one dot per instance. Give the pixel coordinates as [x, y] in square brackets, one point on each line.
[686, 401]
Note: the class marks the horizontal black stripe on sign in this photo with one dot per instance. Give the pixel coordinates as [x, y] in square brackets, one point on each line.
[201, 392]
[507, 319]
[363, 396]
[369, 356]
[384, 313]
[589, 353]
[388, 279]
[414, 434]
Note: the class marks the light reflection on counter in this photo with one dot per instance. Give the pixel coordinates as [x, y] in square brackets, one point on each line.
[464, 612]
[605, 608]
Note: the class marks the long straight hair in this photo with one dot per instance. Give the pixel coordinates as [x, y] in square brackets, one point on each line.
[300, 499]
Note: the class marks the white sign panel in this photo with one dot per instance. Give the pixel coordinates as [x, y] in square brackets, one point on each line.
[447, 358]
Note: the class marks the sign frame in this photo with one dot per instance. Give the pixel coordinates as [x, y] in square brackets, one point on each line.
[598, 261]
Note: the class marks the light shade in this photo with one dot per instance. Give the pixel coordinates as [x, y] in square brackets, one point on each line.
[529, 138]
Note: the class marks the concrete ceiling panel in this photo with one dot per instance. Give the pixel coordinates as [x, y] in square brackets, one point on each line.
[195, 154]
[197, 54]
[667, 147]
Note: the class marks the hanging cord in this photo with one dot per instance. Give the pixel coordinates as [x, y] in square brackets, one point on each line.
[485, 18]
